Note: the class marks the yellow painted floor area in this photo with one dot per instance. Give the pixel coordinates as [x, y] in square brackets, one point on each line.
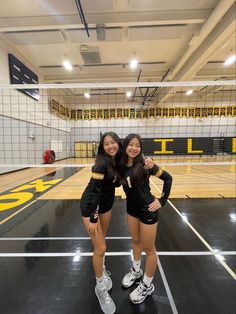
[161, 159]
[13, 179]
[195, 181]
[189, 180]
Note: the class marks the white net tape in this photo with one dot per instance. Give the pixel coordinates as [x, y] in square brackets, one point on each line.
[120, 85]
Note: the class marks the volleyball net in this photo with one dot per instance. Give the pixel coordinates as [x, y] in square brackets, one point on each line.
[63, 123]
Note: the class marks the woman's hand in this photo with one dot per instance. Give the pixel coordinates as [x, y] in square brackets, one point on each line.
[149, 163]
[154, 205]
[93, 229]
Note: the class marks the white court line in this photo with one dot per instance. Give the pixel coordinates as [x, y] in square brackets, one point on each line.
[168, 292]
[61, 238]
[229, 270]
[213, 163]
[68, 254]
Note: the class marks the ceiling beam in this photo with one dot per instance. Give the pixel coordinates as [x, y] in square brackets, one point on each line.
[212, 43]
[215, 40]
[18, 24]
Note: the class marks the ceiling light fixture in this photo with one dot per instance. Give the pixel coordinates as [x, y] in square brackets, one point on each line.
[87, 95]
[189, 92]
[230, 60]
[133, 63]
[67, 65]
[128, 94]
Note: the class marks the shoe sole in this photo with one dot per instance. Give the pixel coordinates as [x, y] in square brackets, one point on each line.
[127, 286]
[138, 302]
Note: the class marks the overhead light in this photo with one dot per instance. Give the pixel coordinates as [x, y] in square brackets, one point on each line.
[87, 95]
[128, 94]
[189, 92]
[230, 60]
[67, 65]
[133, 63]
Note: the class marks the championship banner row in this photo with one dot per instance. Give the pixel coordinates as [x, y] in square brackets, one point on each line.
[139, 113]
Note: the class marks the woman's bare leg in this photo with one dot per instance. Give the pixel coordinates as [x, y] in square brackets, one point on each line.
[148, 236]
[99, 246]
[105, 221]
[134, 231]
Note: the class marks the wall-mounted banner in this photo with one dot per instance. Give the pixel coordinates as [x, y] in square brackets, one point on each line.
[189, 146]
[139, 113]
[21, 74]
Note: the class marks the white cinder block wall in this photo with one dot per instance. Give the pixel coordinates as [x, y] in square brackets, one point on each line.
[27, 127]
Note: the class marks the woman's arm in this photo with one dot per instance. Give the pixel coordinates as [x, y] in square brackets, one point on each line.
[95, 193]
[95, 188]
[167, 178]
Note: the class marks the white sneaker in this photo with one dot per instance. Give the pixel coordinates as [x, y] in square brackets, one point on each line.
[107, 279]
[140, 293]
[131, 277]
[106, 303]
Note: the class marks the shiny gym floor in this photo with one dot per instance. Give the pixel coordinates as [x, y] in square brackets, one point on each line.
[45, 253]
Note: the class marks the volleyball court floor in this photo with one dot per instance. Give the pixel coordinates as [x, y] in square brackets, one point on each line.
[45, 253]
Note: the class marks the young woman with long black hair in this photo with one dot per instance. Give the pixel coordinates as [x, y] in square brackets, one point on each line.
[142, 214]
[96, 204]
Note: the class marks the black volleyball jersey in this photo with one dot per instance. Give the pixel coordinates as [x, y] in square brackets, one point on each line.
[100, 186]
[139, 197]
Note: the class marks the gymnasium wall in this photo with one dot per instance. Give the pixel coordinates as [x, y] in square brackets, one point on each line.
[24, 142]
[159, 128]
[27, 127]
[221, 123]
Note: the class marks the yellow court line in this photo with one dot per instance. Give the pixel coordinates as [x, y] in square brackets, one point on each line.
[229, 270]
[15, 213]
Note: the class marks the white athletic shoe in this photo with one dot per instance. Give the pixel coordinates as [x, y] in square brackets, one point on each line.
[131, 277]
[107, 279]
[140, 293]
[106, 303]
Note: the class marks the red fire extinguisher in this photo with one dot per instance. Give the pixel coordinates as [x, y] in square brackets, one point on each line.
[49, 156]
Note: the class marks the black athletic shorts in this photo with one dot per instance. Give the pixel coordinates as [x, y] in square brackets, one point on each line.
[144, 215]
[105, 204]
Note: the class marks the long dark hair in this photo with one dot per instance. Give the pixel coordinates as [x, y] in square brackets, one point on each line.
[139, 174]
[103, 158]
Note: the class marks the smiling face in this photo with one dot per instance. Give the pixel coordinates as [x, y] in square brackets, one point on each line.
[110, 146]
[133, 149]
